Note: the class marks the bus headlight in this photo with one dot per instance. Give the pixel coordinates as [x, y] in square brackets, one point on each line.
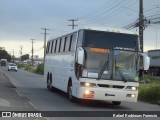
[131, 95]
[134, 88]
[87, 84]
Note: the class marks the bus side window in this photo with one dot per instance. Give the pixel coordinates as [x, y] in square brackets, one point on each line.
[73, 46]
[48, 47]
[55, 46]
[62, 44]
[67, 44]
[52, 46]
[70, 42]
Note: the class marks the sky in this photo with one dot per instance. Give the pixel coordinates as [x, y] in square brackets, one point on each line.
[22, 20]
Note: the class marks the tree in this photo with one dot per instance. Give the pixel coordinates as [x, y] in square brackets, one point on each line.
[4, 54]
[2, 48]
[25, 57]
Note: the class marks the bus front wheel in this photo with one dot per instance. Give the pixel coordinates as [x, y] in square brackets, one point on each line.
[70, 96]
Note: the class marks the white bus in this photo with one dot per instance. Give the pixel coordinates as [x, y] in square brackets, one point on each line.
[94, 65]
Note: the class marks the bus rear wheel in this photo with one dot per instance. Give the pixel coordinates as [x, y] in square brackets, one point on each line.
[49, 83]
[116, 102]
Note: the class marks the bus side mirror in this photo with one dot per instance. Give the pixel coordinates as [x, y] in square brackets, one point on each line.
[144, 62]
[80, 53]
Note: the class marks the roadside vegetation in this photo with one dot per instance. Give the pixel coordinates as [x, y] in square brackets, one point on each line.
[35, 69]
[149, 90]
[40, 69]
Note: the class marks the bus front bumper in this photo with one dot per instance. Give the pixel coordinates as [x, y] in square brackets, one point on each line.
[107, 94]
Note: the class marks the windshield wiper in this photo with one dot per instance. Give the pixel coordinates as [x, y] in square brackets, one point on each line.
[103, 67]
[121, 74]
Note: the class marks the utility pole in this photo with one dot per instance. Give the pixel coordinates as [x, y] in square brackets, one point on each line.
[32, 52]
[73, 25]
[13, 55]
[141, 24]
[141, 28]
[21, 53]
[157, 6]
[45, 34]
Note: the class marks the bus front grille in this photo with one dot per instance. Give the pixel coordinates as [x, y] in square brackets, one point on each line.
[111, 86]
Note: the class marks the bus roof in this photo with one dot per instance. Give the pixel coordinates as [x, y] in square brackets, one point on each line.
[100, 30]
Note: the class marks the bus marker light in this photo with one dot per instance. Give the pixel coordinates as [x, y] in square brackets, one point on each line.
[88, 94]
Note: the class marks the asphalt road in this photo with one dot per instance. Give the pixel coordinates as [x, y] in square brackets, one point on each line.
[33, 87]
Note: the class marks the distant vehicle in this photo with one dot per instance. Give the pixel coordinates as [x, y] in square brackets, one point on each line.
[12, 66]
[154, 68]
[3, 62]
[95, 65]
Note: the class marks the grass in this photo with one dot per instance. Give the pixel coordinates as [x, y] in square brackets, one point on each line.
[22, 65]
[39, 69]
[30, 68]
[150, 92]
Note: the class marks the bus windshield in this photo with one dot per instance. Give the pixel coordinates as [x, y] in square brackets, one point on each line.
[108, 64]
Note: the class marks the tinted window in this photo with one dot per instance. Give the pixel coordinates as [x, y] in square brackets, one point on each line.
[57, 46]
[47, 48]
[73, 46]
[52, 46]
[67, 44]
[70, 42]
[62, 44]
[47, 51]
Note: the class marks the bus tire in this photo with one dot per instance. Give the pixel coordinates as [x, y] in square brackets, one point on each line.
[69, 92]
[116, 102]
[51, 88]
[48, 82]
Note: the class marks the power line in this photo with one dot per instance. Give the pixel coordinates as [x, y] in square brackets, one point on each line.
[99, 9]
[113, 12]
[103, 12]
